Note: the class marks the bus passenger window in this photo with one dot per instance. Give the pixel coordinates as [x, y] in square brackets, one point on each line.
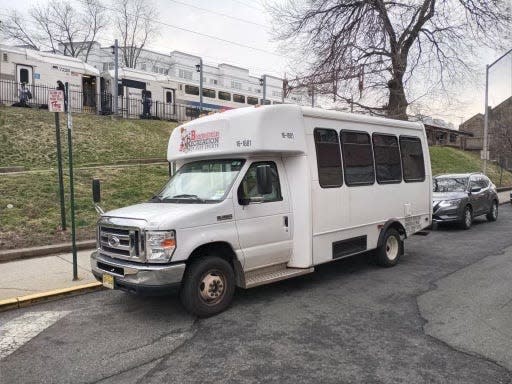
[328, 158]
[412, 159]
[357, 158]
[387, 158]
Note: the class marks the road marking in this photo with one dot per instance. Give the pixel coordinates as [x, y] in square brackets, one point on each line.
[22, 329]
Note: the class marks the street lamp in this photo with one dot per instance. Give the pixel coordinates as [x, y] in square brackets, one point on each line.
[199, 68]
[263, 83]
[486, 118]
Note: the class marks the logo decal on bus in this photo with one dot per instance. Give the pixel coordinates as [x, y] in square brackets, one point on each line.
[198, 141]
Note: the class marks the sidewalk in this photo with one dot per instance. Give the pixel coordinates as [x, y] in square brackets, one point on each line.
[43, 274]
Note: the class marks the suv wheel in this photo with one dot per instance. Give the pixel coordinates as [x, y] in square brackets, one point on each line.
[493, 213]
[208, 286]
[467, 218]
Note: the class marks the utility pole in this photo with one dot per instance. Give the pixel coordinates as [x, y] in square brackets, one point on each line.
[263, 83]
[116, 75]
[199, 68]
[485, 148]
[71, 186]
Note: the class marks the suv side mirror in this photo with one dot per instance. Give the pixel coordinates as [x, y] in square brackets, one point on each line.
[96, 191]
[264, 179]
[475, 189]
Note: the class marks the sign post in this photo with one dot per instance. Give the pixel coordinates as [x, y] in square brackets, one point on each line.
[71, 184]
[56, 105]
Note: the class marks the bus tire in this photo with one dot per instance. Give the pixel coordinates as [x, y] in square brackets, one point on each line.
[390, 251]
[208, 286]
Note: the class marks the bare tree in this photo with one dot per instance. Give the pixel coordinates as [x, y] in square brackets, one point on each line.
[382, 55]
[15, 28]
[135, 24]
[58, 26]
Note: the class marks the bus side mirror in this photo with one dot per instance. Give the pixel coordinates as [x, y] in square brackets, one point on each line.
[264, 179]
[96, 191]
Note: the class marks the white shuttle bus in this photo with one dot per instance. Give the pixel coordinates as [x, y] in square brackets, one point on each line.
[263, 194]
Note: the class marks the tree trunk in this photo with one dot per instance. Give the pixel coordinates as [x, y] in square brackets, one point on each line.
[397, 104]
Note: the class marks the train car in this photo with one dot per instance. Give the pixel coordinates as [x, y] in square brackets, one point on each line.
[40, 71]
[135, 88]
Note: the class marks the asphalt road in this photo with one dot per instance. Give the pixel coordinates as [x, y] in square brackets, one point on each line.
[350, 321]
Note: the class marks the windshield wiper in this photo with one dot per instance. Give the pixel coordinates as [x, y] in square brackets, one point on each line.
[187, 196]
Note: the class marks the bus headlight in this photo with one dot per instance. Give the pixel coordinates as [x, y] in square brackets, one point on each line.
[160, 246]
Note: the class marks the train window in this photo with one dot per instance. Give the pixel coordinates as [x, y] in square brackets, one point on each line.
[357, 158]
[252, 100]
[224, 95]
[412, 159]
[209, 93]
[168, 97]
[191, 90]
[238, 98]
[24, 76]
[265, 102]
[387, 158]
[328, 158]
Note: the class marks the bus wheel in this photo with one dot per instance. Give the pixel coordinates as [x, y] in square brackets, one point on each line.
[389, 252]
[208, 286]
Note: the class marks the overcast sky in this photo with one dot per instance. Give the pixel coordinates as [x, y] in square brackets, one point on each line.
[249, 25]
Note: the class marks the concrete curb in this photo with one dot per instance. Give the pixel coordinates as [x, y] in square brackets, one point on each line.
[27, 253]
[28, 300]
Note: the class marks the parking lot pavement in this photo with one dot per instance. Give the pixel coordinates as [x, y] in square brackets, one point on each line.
[471, 309]
[350, 321]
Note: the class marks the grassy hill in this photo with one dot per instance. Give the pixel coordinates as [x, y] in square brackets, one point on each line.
[451, 160]
[27, 138]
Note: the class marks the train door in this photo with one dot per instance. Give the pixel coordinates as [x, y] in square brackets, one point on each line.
[25, 74]
[89, 93]
[169, 102]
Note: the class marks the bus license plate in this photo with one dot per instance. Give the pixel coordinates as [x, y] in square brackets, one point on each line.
[108, 281]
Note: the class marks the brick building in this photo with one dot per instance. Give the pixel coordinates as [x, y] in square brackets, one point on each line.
[500, 133]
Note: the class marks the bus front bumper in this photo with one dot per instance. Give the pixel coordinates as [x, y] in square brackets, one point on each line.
[138, 278]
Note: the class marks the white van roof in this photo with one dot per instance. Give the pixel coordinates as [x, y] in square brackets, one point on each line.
[253, 130]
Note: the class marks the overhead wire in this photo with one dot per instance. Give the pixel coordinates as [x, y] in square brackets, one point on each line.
[220, 14]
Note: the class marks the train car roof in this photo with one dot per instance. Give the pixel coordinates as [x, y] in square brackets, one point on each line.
[52, 58]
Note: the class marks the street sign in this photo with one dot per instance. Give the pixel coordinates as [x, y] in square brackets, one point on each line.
[55, 100]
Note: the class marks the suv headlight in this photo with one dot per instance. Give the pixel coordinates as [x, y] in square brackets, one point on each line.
[449, 203]
[160, 246]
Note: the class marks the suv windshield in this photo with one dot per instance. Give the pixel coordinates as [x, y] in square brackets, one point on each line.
[450, 184]
[205, 181]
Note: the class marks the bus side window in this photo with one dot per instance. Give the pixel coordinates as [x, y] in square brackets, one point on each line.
[357, 158]
[328, 158]
[413, 164]
[388, 168]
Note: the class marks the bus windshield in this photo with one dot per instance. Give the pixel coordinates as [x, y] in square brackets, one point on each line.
[205, 181]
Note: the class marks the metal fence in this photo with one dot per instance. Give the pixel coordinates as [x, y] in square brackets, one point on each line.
[84, 101]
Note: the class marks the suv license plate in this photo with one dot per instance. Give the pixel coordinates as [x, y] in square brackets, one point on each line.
[108, 281]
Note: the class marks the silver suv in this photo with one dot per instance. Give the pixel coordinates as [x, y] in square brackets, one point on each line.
[458, 198]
